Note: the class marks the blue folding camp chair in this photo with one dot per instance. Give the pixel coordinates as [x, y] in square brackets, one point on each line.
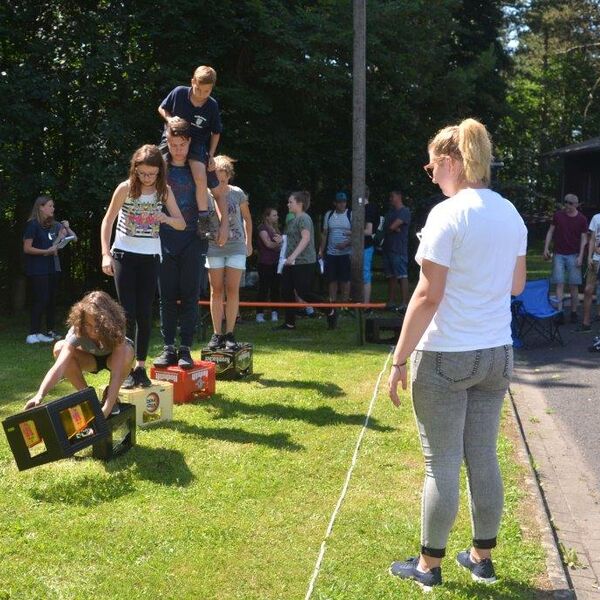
[533, 313]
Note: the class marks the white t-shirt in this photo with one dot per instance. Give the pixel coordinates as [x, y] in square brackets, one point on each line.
[594, 228]
[478, 235]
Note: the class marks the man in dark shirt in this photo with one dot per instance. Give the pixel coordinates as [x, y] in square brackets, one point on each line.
[569, 232]
[179, 273]
[395, 249]
[371, 225]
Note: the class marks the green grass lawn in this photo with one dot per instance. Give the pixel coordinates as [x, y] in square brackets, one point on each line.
[231, 499]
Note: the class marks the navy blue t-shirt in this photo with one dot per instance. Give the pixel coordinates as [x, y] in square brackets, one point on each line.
[182, 183]
[42, 238]
[396, 242]
[205, 120]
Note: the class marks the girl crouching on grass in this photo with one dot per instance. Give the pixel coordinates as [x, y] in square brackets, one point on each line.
[95, 341]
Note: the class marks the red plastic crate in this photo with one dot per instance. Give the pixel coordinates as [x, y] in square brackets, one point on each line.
[188, 384]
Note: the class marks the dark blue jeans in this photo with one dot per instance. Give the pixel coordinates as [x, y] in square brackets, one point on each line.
[179, 279]
[43, 289]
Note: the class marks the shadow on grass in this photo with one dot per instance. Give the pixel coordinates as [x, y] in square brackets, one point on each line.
[158, 465]
[326, 388]
[322, 416]
[505, 590]
[278, 441]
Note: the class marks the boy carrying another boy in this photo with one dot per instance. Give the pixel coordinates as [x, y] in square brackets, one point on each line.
[196, 105]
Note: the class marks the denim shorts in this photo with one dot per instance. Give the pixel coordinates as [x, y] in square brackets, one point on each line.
[395, 265]
[235, 261]
[565, 269]
[367, 263]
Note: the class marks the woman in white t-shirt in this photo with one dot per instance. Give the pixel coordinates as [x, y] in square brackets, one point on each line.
[457, 327]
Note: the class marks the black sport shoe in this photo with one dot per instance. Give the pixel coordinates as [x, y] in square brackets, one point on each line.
[203, 227]
[482, 571]
[332, 319]
[216, 341]
[129, 382]
[141, 379]
[184, 358]
[230, 343]
[583, 328]
[168, 358]
[408, 570]
[284, 327]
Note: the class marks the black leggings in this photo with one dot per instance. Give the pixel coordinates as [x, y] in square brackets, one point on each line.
[43, 288]
[268, 284]
[298, 278]
[136, 276]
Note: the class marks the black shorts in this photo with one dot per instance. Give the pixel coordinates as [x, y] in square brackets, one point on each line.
[337, 268]
[102, 361]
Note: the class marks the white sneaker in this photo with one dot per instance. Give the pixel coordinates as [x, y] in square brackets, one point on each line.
[274, 316]
[55, 336]
[44, 338]
[260, 318]
[32, 338]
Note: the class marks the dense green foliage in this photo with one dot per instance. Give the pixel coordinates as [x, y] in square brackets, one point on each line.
[81, 82]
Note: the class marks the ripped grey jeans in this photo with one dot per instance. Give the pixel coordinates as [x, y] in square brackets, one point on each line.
[457, 399]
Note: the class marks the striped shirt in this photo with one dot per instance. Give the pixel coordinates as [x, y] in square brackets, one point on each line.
[137, 225]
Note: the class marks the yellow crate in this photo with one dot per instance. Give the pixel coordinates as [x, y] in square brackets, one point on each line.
[152, 404]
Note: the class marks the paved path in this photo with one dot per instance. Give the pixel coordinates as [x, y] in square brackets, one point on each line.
[557, 395]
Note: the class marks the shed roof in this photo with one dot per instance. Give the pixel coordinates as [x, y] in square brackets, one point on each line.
[591, 145]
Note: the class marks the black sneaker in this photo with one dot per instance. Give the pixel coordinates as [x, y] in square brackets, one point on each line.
[574, 317]
[408, 570]
[216, 341]
[168, 358]
[230, 343]
[482, 571]
[184, 358]
[332, 318]
[141, 379]
[203, 227]
[583, 328]
[595, 347]
[129, 382]
[284, 327]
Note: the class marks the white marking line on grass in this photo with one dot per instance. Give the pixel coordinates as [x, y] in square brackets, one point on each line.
[315, 574]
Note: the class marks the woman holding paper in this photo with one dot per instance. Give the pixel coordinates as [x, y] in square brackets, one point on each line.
[41, 242]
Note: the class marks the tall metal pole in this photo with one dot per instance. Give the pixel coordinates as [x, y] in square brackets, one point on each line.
[358, 146]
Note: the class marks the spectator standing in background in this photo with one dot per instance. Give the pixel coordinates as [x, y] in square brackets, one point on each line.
[569, 234]
[40, 245]
[395, 249]
[269, 244]
[371, 224]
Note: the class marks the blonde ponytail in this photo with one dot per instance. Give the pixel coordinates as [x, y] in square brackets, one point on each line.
[470, 143]
[475, 147]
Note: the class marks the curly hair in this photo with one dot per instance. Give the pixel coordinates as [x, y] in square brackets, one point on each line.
[108, 315]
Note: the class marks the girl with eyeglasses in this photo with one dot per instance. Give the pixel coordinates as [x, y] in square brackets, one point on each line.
[138, 204]
[457, 334]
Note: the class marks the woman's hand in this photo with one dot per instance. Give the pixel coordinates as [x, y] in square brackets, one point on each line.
[35, 401]
[397, 375]
[249, 248]
[107, 265]
[53, 250]
[211, 163]
[223, 233]
[289, 261]
[277, 239]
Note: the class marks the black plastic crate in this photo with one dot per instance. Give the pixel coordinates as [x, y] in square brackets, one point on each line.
[56, 429]
[231, 364]
[121, 434]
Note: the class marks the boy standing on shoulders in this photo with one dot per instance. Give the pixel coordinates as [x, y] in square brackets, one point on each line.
[196, 105]
[179, 271]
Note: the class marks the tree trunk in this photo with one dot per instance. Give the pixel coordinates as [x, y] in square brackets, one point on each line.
[358, 148]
